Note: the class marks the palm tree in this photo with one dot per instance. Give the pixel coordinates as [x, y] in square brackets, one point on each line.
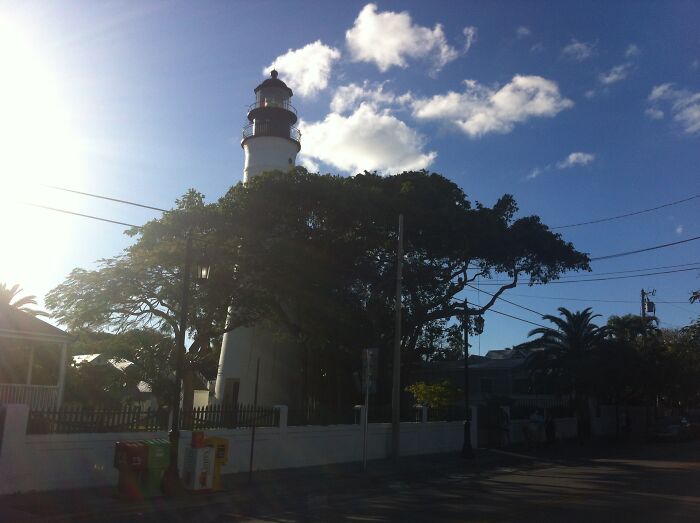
[632, 327]
[568, 356]
[9, 296]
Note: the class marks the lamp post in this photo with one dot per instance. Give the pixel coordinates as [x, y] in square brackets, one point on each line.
[467, 451]
[171, 477]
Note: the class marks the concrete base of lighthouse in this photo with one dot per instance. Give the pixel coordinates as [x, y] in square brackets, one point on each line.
[281, 369]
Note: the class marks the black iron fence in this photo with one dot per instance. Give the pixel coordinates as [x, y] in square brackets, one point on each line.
[135, 419]
[72, 420]
[223, 417]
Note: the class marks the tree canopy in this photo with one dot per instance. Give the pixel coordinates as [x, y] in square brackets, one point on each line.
[315, 256]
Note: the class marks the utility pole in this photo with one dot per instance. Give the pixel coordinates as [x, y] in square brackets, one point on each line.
[647, 304]
[396, 383]
[467, 451]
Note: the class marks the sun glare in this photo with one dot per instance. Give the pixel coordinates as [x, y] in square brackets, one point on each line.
[37, 145]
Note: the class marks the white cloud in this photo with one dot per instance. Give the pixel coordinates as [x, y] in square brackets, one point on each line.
[470, 37]
[349, 97]
[367, 139]
[653, 113]
[308, 69]
[660, 91]
[535, 173]
[523, 32]
[578, 51]
[571, 160]
[537, 48]
[388, 39]
[679, 229]
[631, 51]
[309, 164]
[480, 110]
[695, 64]
[684, 105]
[616, 74]
[590, 93]
[574, 159]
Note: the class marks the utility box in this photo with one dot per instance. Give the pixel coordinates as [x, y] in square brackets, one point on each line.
[199, 468]
[158, 461]
[220, 446]
[131, 459]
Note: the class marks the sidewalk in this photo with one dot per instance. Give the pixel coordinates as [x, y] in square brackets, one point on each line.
[89, 504]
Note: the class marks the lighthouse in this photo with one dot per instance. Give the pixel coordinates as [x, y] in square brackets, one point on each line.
[271, 143]
[270, 140]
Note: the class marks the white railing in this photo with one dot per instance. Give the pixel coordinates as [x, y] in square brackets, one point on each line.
[36, 396]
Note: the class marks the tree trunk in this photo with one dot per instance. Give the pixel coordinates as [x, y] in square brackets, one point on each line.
[187, 396]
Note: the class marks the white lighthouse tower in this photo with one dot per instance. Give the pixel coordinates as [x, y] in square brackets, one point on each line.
[270, 140]
[271, 143]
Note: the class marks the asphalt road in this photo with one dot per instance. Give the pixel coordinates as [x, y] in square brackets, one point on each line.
[652, 483]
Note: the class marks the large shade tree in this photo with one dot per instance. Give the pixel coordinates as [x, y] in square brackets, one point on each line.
[315, 257]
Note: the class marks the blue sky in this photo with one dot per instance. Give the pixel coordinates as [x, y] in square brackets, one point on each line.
[580, 109]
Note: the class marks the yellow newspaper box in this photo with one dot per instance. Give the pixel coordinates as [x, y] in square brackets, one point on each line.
[220, 457]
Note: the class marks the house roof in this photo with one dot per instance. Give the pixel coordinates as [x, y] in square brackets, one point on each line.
[120, 364]
[15, 323]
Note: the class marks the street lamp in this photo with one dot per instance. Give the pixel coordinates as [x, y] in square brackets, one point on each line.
[171, 477]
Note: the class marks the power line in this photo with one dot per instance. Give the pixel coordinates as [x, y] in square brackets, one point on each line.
[627, 253]
[90, 216]
[600, 300]
[507, 301]
[641, 270]
[516, 318]
[635, 213]
[575, 277]
[92, 195]
[607, 278]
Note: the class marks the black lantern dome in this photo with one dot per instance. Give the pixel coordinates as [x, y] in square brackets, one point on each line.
[272, 114]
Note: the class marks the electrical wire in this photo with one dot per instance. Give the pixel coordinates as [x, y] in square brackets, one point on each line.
[516, 318]
[109, 198]
[605, 279]
[575, 277]
[646, 249]
[506, 301]
[82, 215]
[592, 300]
[627, 215]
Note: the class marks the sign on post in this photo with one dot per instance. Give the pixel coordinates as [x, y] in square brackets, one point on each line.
[370, 365]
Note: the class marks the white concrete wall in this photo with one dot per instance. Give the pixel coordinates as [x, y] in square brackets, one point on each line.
[57, 461]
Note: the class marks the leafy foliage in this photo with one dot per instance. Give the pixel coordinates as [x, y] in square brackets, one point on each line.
[9, 296]
[315, 257]
[434, 395]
